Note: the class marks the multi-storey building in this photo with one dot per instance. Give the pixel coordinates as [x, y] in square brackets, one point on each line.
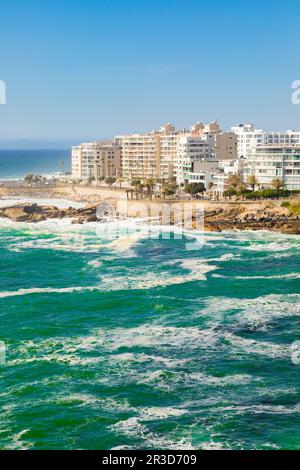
[248, 138]
[83, 161]
[225, 147]
[140, 155]
[268, 162]
[189, 152]
[95, 160]
[107, 160]
[170, 153]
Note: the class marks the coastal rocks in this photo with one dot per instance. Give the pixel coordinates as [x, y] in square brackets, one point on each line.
[252, 217]
[34, 213]
[216, 219]
[17, 214]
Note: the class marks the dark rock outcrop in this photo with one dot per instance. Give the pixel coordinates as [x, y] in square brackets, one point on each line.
[34, 213]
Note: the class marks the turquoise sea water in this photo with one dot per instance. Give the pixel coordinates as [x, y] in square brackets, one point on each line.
[143, 344]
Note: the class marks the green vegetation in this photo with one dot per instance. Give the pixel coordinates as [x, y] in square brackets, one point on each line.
[194, 188]
[234, 181]
[34, 179]
[294, 207]
[255, 195]
[231, 191]
[110, 180]
[252, 181]
[277, 184]
[267, 194]
[149, 185]
[169, 189]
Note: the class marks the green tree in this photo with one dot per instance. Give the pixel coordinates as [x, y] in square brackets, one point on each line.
[194, 188]
[169, 189]
[110, 180]
[135, 183]
[229, 192]
[252, 181]
[277, 184]
[29, 178]
[149, 185]
[234, 181]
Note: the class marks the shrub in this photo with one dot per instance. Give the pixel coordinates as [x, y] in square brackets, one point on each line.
[230, 192]
[194, 188]
[110, 180]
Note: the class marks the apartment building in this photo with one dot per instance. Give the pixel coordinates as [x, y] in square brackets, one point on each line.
[190, 151]
[107, 160]
[268, 162]
[248, 137]
[168, 152]
[95, 160]
[140, 155]
[202, 172]
[225, 146]
[83, 161]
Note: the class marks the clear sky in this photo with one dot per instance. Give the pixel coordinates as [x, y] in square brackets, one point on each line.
[89, 69]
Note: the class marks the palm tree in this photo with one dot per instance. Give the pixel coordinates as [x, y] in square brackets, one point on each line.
[277, 184]
[252, 181]
[149, 184]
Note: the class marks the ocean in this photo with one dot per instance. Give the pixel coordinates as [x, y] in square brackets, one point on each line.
[139, 343]
[15, 164]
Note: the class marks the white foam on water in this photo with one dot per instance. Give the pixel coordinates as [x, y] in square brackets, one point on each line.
[69, 350]
[16, 442]
[250, 346]
[237, 379]
[154, 413]
[141, 358]
[95, 263]
[133, 428]
[275, 276]
[257, 312]
[85, 399]
[261, 409]
[60, 203]
[125, 243]
[150, 280]
[109, 283]
[47, 290]
[154, 335]
[273, 246]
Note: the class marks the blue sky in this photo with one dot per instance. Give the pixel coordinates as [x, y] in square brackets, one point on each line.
[85, 69]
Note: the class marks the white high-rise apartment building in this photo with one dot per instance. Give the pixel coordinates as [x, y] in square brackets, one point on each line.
[269, 162]
[95, 160]
[248, 137]
[190, 150]
[83, 161]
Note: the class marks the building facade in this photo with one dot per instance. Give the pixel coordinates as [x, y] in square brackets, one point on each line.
[248, 138]
[170, 153]
[225, 147]
[275, 161]
[95, 160]
[190, 152]
[140, 155]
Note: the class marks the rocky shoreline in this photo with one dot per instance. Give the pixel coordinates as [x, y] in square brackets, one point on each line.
[218, 219]
[267, 217]
[33, 213]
